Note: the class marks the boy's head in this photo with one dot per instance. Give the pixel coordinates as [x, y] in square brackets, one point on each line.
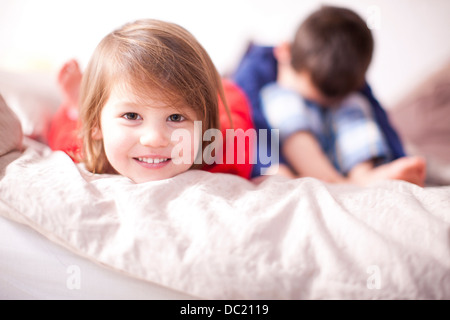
[332, 49]
[150, 59]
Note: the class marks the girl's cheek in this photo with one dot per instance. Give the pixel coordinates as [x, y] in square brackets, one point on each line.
[116, 138]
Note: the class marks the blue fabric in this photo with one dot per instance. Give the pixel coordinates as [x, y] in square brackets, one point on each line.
[258, 67]
[348, 133]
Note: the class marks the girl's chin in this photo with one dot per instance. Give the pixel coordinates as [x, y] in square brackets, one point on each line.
[144, 179]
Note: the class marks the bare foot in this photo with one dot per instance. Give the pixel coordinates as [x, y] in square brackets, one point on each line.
[69, 79]
[410, 169]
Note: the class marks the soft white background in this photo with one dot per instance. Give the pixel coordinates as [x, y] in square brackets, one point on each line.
[412, 36]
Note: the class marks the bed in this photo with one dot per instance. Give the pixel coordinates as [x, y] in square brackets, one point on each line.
[68, 234]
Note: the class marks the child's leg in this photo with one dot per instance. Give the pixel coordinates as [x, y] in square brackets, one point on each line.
[62, 133]
[69, 79]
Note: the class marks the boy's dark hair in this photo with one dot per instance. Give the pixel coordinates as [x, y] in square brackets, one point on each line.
[334, 45]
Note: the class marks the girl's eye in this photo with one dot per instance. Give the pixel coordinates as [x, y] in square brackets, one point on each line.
[132, 116]
[176, 117]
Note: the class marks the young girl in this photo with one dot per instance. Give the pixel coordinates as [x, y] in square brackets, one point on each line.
[144, 82]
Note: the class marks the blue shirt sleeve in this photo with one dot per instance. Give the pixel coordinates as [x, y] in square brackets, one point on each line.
[358, 138]
[285, 110]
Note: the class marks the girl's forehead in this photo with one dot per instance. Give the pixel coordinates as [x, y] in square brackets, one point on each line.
[141, 96]
[128, 95]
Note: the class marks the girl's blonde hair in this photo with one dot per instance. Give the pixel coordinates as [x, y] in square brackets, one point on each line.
[143, 55]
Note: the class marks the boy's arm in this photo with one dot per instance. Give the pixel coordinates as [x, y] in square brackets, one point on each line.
[306, 157]
[304, 154]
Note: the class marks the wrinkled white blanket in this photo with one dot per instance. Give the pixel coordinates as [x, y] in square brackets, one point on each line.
[217, 236]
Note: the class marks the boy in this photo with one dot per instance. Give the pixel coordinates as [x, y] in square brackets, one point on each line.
[327, 128]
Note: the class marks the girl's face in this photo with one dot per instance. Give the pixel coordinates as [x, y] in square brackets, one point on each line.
[138, 138]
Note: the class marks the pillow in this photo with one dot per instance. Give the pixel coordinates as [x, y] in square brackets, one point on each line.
[422, 120]
[10, 130]
[33, 97]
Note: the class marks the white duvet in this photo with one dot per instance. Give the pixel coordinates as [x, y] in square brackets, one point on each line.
[217, 236]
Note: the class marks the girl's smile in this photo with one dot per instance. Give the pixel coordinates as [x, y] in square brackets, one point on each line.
[153, 162]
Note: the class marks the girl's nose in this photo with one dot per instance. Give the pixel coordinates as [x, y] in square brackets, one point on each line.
[155, 137]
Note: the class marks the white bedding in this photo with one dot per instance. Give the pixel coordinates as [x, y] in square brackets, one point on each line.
[32, 267]
[217, 236]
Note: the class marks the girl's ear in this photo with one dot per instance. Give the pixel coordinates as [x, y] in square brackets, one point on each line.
[96, 133]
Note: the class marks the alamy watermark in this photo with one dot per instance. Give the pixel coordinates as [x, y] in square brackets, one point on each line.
[373, 19]
[374, 280]
[235, 139]
[73, 281]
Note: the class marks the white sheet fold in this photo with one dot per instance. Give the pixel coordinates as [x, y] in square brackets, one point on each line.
[217, 236]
